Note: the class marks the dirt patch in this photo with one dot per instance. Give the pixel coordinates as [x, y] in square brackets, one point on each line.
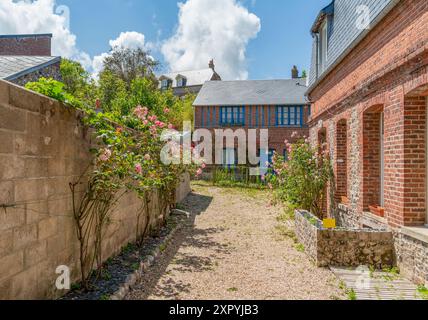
[235, 247]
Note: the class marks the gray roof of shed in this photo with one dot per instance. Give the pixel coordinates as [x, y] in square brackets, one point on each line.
[13, 67]
[252, 92]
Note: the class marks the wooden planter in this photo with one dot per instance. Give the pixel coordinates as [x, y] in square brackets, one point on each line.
[377, 210]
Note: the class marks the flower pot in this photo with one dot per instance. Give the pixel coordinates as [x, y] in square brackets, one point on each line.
[377, 210]
[345, 200]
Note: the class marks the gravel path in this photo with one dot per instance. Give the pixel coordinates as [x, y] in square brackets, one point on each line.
[233, 247]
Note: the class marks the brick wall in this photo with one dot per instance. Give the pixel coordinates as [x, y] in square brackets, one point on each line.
[388, 70]
[23, 45]
[43, 148]
[266, 120]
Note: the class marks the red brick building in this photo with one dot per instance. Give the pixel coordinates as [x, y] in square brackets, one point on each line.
[368, 88]
[276, 105]
[25, 45]
[27, 57]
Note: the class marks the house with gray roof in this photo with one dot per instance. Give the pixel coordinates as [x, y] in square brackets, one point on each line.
[191, 81]
[26, 58]
[277, 105]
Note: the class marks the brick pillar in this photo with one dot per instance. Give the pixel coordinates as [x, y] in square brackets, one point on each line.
[405, 158]
[414, 188]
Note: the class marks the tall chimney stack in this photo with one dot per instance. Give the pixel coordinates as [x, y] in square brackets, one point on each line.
[25, 45]
[211, 64]
[294, 73]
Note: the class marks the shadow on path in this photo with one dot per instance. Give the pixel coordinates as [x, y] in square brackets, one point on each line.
[187, 236]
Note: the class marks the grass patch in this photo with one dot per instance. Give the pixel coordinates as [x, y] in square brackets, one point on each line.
[391, 274]
[286, 233]
[423, 292]
[287, 214]
[299, 247]
[352, 295]
[232, 289]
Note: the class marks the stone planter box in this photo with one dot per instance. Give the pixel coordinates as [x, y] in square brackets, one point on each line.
[342, 247]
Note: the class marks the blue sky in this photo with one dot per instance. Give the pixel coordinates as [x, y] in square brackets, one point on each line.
[249, 39]
[283, 40]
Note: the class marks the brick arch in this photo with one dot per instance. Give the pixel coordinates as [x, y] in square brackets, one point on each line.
[420, 91]
[341, 165]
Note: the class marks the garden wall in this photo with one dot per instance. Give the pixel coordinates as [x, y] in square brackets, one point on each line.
[343, 247]
[44, 147]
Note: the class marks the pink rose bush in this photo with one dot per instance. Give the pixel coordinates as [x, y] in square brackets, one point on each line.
[300, 180]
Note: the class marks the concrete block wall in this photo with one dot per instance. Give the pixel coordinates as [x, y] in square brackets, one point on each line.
[44, 147]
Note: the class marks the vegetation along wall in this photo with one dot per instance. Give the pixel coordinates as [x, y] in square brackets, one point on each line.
[43, 148]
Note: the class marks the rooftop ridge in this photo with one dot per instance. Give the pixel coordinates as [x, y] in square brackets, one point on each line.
[5, 36]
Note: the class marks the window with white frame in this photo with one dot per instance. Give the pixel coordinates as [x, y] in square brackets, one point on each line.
[290, 116]
[165, 84]
[181, 82]
[232, 116]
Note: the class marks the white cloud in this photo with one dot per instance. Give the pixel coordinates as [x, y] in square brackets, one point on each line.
[43, 16]
[130, 39]
[23, 16]
[127, 40]
[208, 29]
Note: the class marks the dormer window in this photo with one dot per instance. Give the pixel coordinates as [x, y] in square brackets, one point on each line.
[165, 84]
[181, 82]
[322, 47]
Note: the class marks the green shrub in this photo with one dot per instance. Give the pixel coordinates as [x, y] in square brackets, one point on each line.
[53, 89]
[301, 180]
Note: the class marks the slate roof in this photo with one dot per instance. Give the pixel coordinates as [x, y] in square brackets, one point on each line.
[194, 77]
[13, 67]
[343, 33]
[252, 92]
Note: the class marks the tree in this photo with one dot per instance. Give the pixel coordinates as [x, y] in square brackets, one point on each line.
[304, 74]
[77, 81]
[128, 64]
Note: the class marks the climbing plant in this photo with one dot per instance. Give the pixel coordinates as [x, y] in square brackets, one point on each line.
[127, 158]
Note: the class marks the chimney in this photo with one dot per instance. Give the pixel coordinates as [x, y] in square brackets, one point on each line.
[25, 45]
[211, 64]
[294, 73]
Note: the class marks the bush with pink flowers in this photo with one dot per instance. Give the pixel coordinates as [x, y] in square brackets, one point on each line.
[301, 180]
